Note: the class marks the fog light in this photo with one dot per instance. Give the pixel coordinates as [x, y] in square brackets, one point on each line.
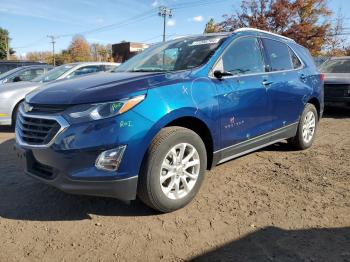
[110, 160]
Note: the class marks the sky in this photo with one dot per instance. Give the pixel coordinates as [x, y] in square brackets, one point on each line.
[30, 21]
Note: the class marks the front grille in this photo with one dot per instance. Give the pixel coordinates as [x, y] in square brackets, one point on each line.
[331, 90]
[36, 131]
[48, 109]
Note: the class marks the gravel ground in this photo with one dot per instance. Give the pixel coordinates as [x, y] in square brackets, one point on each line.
[271, 205]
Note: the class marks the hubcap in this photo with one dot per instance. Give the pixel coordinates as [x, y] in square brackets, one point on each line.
[309, 126]
[179, 171]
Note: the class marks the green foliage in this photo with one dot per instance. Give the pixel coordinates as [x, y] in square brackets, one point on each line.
[210, 27]
[4, 35]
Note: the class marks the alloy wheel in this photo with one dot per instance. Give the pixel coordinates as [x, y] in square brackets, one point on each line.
[179, 171]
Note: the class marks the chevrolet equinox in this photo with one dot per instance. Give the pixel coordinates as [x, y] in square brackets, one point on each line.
[152, 127]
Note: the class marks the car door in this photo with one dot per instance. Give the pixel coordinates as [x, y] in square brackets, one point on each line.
[242, 97]
[288, 83]
[26, 75]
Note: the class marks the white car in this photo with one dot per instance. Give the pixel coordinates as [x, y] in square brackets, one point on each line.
[12, 94]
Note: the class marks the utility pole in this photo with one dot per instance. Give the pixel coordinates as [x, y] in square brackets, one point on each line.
[165, 12]
[53, 48]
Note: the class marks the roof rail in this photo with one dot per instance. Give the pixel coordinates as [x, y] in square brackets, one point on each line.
[244, 29]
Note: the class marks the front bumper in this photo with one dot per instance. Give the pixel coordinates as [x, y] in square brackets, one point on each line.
[68, 160]
[104, 186]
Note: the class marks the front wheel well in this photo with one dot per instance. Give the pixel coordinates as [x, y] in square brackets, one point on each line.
[199, 127]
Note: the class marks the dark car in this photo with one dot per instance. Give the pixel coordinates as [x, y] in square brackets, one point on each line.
[7, 65]
[24, 73]
[151, 128]
[337, 81]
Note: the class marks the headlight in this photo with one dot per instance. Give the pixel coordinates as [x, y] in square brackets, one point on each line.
[88, 112]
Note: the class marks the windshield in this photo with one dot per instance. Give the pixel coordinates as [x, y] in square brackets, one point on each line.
[8, 73]
[336, 66]
[53, 74]
[179, 54]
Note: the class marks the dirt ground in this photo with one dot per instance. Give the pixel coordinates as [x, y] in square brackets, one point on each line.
[272, 205]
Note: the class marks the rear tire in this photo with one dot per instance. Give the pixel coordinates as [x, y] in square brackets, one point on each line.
[306, 129]
[173, 169]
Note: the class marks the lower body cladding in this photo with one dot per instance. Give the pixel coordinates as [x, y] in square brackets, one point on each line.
[66, 172]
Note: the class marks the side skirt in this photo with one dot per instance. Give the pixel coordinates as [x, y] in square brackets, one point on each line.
[254, 144]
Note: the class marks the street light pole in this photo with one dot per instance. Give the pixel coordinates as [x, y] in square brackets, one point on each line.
[53, 48]
[165, 12]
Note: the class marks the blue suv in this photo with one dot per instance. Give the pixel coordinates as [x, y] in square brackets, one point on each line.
[152, 127]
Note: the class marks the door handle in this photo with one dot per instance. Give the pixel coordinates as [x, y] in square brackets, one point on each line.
[267, 83]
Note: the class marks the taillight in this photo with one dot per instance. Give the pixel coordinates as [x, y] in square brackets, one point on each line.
[322, 77]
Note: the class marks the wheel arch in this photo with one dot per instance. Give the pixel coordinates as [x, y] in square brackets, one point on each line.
[13, 111]
[314, 101]
[192, 119]
[200, 128]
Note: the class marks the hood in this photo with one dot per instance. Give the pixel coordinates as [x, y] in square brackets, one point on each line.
[18, 85]
[337, 78]
[100, 87]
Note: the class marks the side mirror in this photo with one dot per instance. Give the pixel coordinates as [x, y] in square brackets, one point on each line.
[220, 74]
[17, 79]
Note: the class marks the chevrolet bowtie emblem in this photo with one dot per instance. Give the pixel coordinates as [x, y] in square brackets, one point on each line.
[27, 108]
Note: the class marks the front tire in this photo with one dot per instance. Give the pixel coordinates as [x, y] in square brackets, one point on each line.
[173, 169]
[306, 129]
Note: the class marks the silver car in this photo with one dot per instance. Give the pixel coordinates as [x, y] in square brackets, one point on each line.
[24, 73]
[12, 94]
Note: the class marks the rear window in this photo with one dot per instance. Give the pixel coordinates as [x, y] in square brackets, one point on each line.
[278, 55]
[336, 66]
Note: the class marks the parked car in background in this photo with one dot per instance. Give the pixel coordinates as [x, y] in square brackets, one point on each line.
[320, 60]
[24, 73]
[7, 65]
[12, 94]
[163, 117]
[337, 81]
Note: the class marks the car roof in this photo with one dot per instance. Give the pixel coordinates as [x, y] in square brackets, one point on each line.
[255, 31]
[262, 32]
[91, 63]
[340, 58]
[32, 66]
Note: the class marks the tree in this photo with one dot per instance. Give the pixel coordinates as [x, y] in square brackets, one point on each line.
[4, 42]
[63, 58]
[45, 56]
[79, 50]
[306, 21]
[101, 52]
[210, 27]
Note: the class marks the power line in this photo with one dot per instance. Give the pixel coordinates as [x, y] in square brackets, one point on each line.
[138, 18]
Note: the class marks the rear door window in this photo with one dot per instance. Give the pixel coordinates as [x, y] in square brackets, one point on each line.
[278, 55]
